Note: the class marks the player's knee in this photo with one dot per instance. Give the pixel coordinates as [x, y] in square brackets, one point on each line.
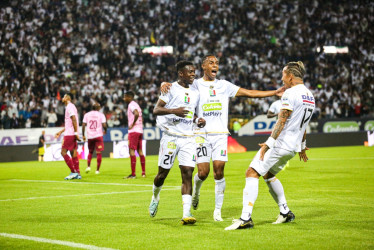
[218, 175]
[252, 173]
[90, 152]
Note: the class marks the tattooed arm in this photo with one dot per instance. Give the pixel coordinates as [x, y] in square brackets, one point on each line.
[284, 114]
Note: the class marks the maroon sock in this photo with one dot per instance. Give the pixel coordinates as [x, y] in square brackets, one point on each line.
[89, 158]
[142, 162]
[98, 161]
[76, 165]
[69, 162]
[133, 164]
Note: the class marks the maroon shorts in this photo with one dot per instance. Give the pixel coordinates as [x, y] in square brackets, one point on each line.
[69, 142]
[96, 143]
[135, 141]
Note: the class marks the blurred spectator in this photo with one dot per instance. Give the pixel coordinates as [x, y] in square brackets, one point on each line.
[51, 118]
[14, 123]
[94, 51]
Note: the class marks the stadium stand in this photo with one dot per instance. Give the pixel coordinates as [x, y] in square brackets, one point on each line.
[92, 49]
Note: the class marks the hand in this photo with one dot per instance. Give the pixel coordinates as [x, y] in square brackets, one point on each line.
[57, 135]
[165, 87]
[181, 112]
[84, 138]
[201, 122]
[263, 150]
[77, 138]
[302, 155]
[279, 92]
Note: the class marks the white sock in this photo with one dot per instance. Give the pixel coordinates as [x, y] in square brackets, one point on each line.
[156, 193]
[276, 190]
[250, 193]
[220, 192]
[197, 184]
[187, 201]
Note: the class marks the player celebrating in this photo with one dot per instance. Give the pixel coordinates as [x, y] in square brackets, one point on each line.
[212, 140]
[96, 123]
[175, 118]
[287, 138]
[135, 133]
[71, 137]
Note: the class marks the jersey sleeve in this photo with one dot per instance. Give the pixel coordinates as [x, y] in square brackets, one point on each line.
[103, 118]
[287, 102]
[165, 97]
[85, 118]
[272, 108]
[231, 89]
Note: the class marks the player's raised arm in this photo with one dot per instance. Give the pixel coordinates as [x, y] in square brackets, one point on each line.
[259, 93]
[161, 110]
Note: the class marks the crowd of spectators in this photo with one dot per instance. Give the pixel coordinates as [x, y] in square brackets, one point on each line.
[93, 49]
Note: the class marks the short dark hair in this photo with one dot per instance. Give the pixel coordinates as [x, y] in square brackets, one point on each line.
[130, 93]
[181, 64]
[205, 57]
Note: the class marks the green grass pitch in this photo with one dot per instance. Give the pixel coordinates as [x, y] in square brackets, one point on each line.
[332, 197]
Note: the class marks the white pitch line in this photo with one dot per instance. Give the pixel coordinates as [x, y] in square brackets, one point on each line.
[92, 183]
[74, 195]
[325, 159]
[57, 242]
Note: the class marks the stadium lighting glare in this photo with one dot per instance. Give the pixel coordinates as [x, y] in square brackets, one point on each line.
[333, 50]
[158, 50]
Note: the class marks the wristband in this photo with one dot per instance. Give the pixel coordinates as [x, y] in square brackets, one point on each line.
[303, 145]
[270, 142]
[196, 120]
[75, 133]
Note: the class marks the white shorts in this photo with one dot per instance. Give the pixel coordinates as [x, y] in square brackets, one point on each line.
[274, 161]
[211, 147]
[172, 146]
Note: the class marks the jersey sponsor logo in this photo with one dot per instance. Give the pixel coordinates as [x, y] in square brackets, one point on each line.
[175, 121]
[172, 145]
[223, 152]
[199, 139]
[308, 99]
[212, 113]
[212, 106]
[189, 115]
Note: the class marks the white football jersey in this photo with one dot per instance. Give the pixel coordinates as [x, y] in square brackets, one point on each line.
[177, 97]
[214, 104]
[301, 102]
[275, 107]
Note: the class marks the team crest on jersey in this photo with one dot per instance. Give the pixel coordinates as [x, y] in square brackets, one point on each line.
[186, 99]
[212, 92]
[223, 152]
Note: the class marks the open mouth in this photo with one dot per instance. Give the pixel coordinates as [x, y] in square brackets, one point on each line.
[214, 72]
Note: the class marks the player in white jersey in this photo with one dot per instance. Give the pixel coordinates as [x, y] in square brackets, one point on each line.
[288, 137]
[274, 109]
[211, 141]
[175, 117]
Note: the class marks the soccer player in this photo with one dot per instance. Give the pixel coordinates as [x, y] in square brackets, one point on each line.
[135, 133]
[274, 109]
[175, 117]
[96, 123]
[41, 146]
[212, 139]
[287, 138]
[71, 137]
